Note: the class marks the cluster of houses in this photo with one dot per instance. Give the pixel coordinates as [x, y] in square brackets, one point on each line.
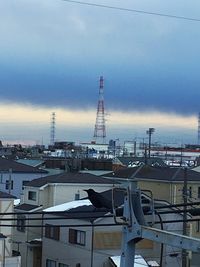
[48, 221]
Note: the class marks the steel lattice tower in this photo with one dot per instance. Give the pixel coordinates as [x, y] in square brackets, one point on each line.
[53, 122]
[100, 128]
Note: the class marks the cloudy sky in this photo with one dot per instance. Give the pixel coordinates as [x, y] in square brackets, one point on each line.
[52, 53]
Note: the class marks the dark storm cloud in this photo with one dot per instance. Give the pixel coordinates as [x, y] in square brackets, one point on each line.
[53, 54]
[158, 89]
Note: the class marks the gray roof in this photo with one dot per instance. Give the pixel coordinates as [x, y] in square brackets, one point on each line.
[6, 195]
[26, 207]
[157, 173]
[69, 177]
[31, 162]
[6, 165]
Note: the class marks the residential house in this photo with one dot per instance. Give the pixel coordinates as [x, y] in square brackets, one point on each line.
[165, 182]
[14, 175]
[42, 193]
[87, 237]
[56, 189]
[7, 258]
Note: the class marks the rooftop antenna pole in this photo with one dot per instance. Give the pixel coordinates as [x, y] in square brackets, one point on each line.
[100, 128]
[53, 122]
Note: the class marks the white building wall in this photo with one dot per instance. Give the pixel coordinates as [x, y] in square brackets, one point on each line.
[64, 252]
[66, 192]
[17, 179]
[55, 194]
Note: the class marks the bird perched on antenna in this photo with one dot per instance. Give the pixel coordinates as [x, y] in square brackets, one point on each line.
[98, 201]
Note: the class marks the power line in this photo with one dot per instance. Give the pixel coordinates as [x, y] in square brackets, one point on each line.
[133, 10]
[61, 225]
[68, 217]
[177, 205]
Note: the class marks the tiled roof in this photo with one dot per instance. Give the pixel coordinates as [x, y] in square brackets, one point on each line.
[68, 177]
[157, 173]
[6, 165]
[6, 195]
[26, 207]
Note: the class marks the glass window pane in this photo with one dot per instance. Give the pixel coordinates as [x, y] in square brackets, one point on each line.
[50, 263]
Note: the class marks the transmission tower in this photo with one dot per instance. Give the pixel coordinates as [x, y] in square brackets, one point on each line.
[199, 129]
[100, 128]
[53, 122]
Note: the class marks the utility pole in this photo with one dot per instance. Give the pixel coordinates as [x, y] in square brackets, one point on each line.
[53, 122]
[150, 132]
[10, 181]
[185, 200]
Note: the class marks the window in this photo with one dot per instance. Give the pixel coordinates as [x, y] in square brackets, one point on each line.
[9, 184]
[190, 192]
[198, 192]
[32, 195]
[24, 183]
[50, 263]
[62, 265]
[21, 221]
[77, 237]
[198, 226]
[77, 196]
[52, 231]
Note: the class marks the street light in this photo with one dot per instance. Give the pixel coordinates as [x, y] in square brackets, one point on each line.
[150, 132]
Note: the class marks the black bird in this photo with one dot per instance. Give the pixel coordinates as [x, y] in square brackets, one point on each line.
[98, 201]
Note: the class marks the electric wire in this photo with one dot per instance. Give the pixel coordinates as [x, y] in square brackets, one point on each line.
[95, 225]
[60, 225]
[133, 10]
[177, 205]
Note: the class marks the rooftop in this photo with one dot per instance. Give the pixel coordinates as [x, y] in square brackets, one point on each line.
[69, 177]
[156, 173]
[6, 195]
[6, 165]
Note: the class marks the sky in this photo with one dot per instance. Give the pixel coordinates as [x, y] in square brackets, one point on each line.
[52, 53]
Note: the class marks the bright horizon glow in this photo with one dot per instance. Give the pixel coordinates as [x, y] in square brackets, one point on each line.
[27, 124]
[15, 113]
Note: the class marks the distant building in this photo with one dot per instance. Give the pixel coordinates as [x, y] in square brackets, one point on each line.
[94, 150]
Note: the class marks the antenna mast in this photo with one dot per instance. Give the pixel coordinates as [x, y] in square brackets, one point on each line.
[100, 128]
[53, 122]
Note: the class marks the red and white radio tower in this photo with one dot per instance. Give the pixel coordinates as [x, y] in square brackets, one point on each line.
[100, 128]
